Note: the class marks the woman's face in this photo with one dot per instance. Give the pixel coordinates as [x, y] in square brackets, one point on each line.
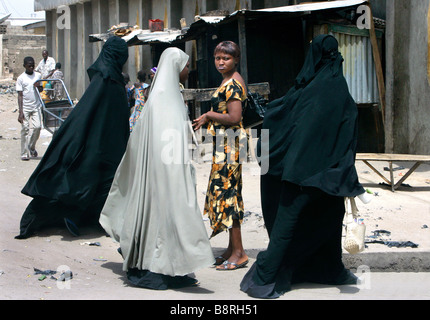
[183, 76]
[225, 63]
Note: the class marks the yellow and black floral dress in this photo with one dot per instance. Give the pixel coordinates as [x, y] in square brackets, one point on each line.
[224, 201]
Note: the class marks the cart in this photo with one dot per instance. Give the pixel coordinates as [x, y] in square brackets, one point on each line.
[56, 103]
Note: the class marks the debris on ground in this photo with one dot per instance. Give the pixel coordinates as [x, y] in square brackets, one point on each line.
[91, 244]
[44, 272]
[396, 244]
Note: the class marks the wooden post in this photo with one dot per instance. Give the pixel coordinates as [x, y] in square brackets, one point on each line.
[378, 65]
[428, 46]
[242, 46]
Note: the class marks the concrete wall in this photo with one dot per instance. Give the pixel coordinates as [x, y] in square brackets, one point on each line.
[70, 46]
[407, 117]
[15, 45]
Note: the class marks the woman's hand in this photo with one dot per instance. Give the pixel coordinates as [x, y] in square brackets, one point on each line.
[200, 121]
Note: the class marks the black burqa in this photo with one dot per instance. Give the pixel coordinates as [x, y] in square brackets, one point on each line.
[313, 128]
[311, 168]
[72, 180]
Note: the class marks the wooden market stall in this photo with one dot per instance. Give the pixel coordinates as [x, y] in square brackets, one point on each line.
[273, 44]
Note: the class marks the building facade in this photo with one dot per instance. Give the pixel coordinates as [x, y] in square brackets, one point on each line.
[405, 60]
[70, 22]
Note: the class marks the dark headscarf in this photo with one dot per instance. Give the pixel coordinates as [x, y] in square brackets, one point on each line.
[313, 128]
[113, 56]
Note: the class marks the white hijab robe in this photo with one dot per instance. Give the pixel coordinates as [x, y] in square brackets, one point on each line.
[152, 208]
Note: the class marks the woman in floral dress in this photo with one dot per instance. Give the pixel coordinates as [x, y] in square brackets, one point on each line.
[140, 92]
[224, 203]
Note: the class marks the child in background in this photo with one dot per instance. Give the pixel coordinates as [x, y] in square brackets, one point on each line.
[29, 109]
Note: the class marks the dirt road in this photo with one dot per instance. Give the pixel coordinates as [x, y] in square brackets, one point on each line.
[97, 270]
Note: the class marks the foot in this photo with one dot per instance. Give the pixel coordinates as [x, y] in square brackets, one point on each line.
[219, 260]
[232, 259]
[227, 265]
[25, 158]
[33, 153]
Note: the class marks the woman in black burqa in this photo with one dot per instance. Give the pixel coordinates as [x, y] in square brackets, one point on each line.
[72, 181]
[312, 144]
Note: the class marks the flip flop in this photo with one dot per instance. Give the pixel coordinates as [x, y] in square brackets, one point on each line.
[219, 263]
[236, 266]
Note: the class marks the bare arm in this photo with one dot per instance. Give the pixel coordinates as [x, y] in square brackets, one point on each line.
[231, 118]
[20, 109]
[38, 86]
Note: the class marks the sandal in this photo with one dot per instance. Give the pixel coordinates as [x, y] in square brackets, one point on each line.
[218, 263]
[235, 265]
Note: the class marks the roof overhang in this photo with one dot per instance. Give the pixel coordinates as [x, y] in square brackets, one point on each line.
[44, 5]
[142, 37]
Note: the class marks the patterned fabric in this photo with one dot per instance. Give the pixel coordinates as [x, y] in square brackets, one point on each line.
[130, 96]
[138, 105]
[224, 201]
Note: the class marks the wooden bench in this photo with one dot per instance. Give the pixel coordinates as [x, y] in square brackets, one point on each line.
[390, 158]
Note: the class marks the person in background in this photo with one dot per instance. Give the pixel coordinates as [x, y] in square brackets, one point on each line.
[29, 106]
[129, 90]
[152, 73]
[140, 94]
[58, 87]
[224, 203]
[46, 66]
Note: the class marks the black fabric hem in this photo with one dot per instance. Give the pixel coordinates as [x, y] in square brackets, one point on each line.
[156, 281]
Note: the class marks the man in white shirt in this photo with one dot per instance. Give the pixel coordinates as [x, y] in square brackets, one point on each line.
[29, 108]
[46, 66]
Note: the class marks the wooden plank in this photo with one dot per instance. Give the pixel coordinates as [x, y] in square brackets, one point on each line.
[352, 30]
[399, 183]
[201, 95]
[377, 172]
[392, 157]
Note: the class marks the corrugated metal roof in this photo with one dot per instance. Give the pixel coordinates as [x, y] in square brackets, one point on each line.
[299, 8]
[139, 37]
[315, 6]
[2, 19]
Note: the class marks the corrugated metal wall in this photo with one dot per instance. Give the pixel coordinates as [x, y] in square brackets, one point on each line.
[359, 67]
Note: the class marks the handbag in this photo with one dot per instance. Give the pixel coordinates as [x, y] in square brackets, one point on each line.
[355, 229]
[253, 113]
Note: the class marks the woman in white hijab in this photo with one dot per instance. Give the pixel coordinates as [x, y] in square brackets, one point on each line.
[152, 208]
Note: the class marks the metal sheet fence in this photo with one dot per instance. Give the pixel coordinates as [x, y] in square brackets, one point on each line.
[359, 67]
